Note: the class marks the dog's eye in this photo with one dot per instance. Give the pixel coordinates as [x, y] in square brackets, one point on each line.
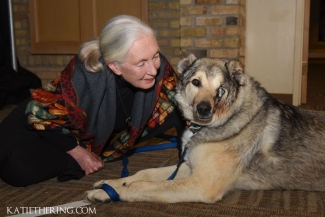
[196, 82]
[221, 91]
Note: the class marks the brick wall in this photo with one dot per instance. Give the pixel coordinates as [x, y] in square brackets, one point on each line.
[213, 28]
[164, 19]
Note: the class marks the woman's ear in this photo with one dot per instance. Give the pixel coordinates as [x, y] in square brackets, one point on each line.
[114, 68]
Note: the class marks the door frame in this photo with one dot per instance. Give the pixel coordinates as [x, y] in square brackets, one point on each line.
[305, 52]
[301, 52]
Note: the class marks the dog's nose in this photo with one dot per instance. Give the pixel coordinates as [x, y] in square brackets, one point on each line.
[204, 110]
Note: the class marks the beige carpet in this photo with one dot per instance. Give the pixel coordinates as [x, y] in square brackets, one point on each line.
[237, 203]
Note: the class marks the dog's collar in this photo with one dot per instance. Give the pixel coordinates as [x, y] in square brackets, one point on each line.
[194, 128]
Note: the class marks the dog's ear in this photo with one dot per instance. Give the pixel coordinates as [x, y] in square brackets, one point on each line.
[185, 63]
[236, 71]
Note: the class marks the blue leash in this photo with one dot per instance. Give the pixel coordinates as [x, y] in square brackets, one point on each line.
[125, 161]
[181, 160]
[125, 172]
[111, 192]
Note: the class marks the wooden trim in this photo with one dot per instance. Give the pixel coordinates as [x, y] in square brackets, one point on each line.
[298, 51]
[62, 48]
[304, 82]
[318, 61]
[305, 52]
[306, 30]
[316, 54]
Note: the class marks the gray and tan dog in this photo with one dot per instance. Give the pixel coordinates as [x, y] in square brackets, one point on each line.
[242, 139]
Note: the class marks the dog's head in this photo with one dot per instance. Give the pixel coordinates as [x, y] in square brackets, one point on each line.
[208, 88]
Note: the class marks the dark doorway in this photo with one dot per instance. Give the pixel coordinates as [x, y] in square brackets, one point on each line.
[15, 85]
[321, 28]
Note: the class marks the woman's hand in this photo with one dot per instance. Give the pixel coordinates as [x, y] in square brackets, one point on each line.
[87, 160]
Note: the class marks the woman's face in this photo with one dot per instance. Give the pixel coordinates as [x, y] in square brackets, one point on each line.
[141, 63]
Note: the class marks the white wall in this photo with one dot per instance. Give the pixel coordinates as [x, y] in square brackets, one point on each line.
[271, 44]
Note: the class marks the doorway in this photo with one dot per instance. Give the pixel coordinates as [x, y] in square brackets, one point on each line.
[314, 96]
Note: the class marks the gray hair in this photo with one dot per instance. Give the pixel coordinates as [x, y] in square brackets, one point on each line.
[115, 41]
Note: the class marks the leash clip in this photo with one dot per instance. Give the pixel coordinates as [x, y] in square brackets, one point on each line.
[194, 128]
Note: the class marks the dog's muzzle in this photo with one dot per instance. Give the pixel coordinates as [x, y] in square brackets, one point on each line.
[204, 110]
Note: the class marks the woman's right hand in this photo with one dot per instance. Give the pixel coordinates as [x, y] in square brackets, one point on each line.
[87, 160]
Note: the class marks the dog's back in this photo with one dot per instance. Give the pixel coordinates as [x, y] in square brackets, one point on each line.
[292, 151]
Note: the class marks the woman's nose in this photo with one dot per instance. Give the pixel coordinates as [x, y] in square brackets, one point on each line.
[152, 68]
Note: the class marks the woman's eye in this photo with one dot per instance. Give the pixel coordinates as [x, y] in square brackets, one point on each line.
[141, 64]
[221, 91]
[196, 82]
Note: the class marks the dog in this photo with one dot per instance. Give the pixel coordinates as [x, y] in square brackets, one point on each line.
[239, 137]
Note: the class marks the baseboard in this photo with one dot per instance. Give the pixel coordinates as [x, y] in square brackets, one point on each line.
[283, 97]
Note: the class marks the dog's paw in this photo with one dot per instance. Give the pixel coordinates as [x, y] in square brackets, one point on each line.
[97, 196]
[113, 183]
[98, 184]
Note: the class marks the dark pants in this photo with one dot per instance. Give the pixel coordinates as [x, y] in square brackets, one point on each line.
[27, 158]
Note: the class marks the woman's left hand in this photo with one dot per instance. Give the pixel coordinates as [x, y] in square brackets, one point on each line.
[87, 160]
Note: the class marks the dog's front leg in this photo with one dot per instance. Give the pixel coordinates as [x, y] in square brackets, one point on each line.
[212, 175]
[153, 174]
[190, 189]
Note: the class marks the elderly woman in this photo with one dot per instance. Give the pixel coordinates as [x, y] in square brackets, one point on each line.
[118, 83]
